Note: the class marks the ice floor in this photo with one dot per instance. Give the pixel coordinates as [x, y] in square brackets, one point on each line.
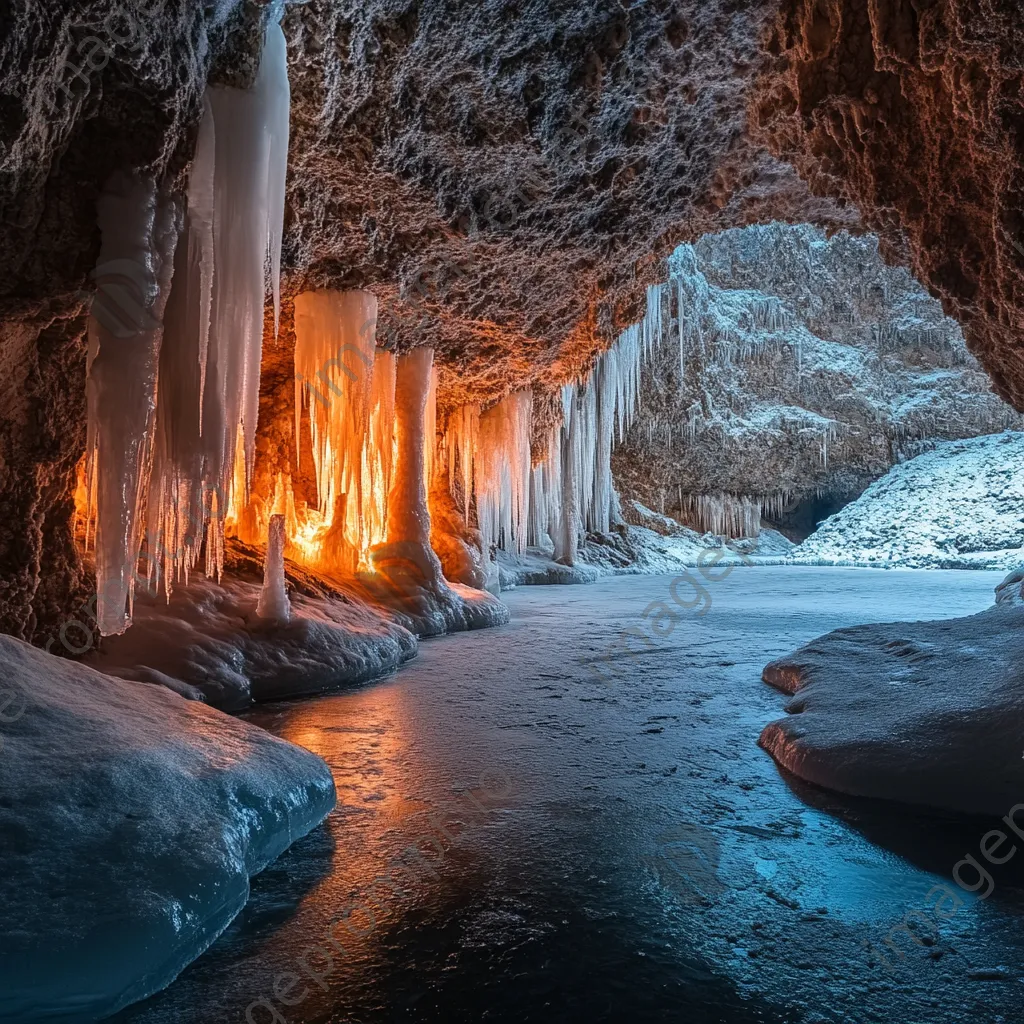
[649, 862]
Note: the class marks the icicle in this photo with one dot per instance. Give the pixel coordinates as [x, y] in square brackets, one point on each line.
[273, 603]
[336, 379]
[251, 134]
[138, 238]
[463, 439]
[200, 223]
[209, 371]
[430, 429]
[275, 54]
[501, 469]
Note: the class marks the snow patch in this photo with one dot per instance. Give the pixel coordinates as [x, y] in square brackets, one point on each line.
[959, 506]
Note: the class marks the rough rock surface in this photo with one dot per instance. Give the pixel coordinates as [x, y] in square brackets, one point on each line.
[914, 112]
[809, 368]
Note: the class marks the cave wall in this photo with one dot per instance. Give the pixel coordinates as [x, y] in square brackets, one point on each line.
[82, 93]
[913, 110]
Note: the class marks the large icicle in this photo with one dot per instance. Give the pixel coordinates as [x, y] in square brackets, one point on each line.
[251, 132]
[210, 367]
[138, 237]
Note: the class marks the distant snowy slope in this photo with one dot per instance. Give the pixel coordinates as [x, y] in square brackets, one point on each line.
[958, 506]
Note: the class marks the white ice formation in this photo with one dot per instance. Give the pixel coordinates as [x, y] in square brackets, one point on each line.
[173, 399]
[273, 604]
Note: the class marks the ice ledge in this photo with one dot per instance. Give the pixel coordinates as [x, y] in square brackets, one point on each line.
[131, 820]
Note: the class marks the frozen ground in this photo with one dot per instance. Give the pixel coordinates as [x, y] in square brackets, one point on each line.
[209, 643]
[650, 863]
[960, 506]
[130, 823]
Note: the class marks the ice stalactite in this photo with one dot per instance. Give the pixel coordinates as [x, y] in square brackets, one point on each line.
[250, 147]
[462, 439]
[273, 603]
[430, 448]
[139, 230]
[351, 408]
[567, 523]
[210, 364]
[546, 493]
[571, 488]
[595, 414]
[502, 472]
[731, 515]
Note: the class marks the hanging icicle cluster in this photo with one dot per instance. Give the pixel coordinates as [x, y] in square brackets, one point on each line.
[348, 386]
[502, 470]
[171, 463]
[570, 489]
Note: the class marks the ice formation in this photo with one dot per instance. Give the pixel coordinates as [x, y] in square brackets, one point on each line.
[550, 498]
[502, 471]
[273, 603]
[348, 386]
[139, 231]
[132, 823]
[171, 459]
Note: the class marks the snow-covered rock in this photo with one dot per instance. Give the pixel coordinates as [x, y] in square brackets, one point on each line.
[647, 544]
[960, 505]
[209, 642]
[131, 821]
[800, 369]
[928, 713]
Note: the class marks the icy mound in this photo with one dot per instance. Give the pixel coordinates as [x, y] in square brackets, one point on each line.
[958, 506]
[928, 713]
[208, 643]
[130, 823]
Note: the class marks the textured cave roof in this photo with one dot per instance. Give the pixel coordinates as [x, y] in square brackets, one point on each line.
[505, 176]
[915, 113]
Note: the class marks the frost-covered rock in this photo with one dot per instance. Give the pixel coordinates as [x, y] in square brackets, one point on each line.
[928, 713]
[805, 368]
[131, 821]
[958, 506]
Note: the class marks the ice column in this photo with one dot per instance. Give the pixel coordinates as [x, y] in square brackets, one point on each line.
[407, 555]
[351, 413]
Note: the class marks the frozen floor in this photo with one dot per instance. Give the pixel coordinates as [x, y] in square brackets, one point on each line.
[650, 863]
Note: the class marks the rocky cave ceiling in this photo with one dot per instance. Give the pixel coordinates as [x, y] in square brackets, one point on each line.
[505, 176]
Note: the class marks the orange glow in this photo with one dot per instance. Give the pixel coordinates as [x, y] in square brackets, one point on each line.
[345, 391]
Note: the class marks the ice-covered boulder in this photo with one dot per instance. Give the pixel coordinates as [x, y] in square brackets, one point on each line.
[131, 821]
[927, 713]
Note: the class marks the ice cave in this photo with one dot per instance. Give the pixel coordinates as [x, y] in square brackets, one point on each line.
[512, 511]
